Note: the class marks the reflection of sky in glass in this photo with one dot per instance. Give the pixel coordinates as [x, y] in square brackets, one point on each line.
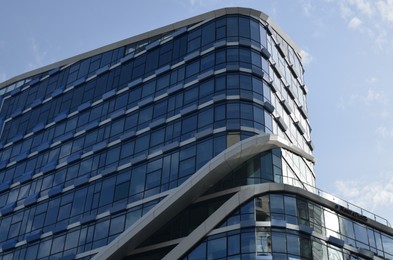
[263, 242]
[335, 254]
[45, 247]
[331, 222]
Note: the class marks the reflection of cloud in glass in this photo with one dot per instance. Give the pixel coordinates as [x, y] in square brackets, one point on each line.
[331, 222]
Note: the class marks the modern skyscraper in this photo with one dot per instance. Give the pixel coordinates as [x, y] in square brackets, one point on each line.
[191, 141]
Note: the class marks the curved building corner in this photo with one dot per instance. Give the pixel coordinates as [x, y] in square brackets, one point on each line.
[191, 141]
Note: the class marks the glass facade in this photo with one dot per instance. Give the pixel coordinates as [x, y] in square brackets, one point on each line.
[88, 148]
[286, 226]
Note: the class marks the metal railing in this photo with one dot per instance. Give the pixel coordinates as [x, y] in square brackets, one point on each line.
[332, 198]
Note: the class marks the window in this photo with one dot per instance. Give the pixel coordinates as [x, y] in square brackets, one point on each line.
[190, 95]
[189, 124]
[58, 244]
[248, 242]
[279, 242]
[71, 240]
[232, 26]
[192, 68]
[187, 167]
[153, 179]
[205, 117]
[199, 253]
[160, 108]
[145, 117]
[204, 152]
[216, 248]
[244, 27]
[148, 88]
[138, 180]
[207, 61]
[121, 191]
[208, 33]
[101, 230]
[117, 225]
[142, 143]
[45, 247]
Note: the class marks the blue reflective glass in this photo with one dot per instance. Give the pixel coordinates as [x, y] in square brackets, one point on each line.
[216, 248]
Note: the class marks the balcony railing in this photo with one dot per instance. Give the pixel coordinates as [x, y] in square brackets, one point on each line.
[332, 198]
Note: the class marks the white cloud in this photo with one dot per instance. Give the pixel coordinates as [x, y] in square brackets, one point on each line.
[372, 80]
[381, 39]
[306, 57]
[368, 194]
[354, 22]
[195, 2]
[385, 8]
[39, 56]
[364, 6]
[307, 8]
[345, 11]
[375, 96]
[372, 96]
[375, 16]
[384, 132]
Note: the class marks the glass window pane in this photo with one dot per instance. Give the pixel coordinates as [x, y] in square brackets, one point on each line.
[205, 118]
[335, 254]
[101, 230]
[216, 248]
[290, 205]
[279, 242]
[138, 180]
[58, 244]
[117, 225]
[45, 247]
[387, 244]
[331, 221]
[276, 203]
[72, 240]
[264, 243]
[121, 191]
[204, 152]
[248, 242]
[293, 244]
[199, 253]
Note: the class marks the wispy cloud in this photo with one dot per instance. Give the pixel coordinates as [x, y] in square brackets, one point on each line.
[306, 57]
[307, 7]
[373, 96]
[385, 8]
[375, 17]
[384, 132]
[195, 2]
[364, 6]
[345, 11]
[39, 56]
[354, 22]
[381, 38]
[370, 195]
[372, 80]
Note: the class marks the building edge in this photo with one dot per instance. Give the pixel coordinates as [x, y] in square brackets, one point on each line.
[171, 27]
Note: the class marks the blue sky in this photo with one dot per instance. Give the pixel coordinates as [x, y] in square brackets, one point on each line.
[348, 56]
